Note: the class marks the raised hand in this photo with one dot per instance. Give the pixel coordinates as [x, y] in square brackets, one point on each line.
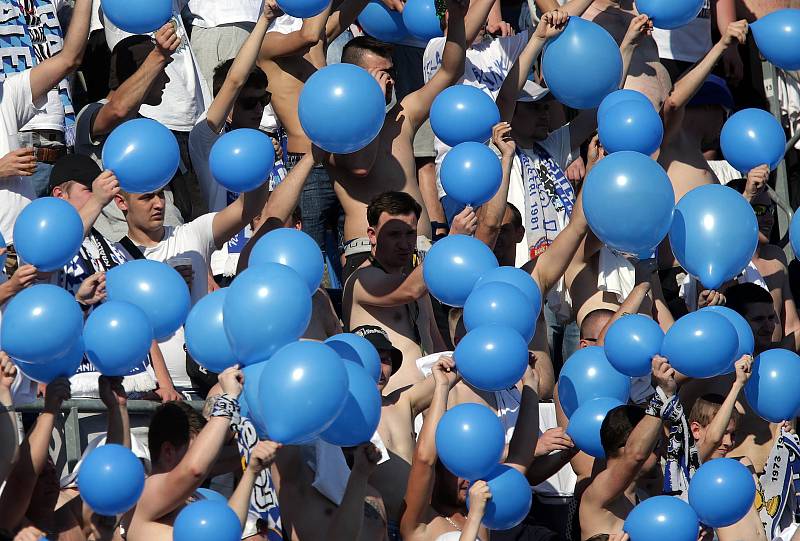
[664, 375]
[639, 27]
[92, 290]
[479, 495]
[263, 455]
[551, 24]
[167, 40]
[735, 33]
[231, 381]
[365, 457]
[465, 222]
[444, 372]
[105, 187]
[111, 391]
[554, 439]
[55, 394]
[744, 369]
[501, 137]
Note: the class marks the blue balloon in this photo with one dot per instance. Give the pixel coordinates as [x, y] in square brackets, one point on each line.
[359, 419]
[631, 125]
[662, 517]
[251, 405]
[421, 21]
[492, 358]
[632, 185]
[582, 65]
[294, 249]
[587, 374]
[154, 287]
[777, 36]
[714, 233]
[357, 349]
[207, 519]
[111, 479]
[670, 14]
[630, 344]
[205, 333]
[40, 324]
[619, 96]
[266, 307]
[382, 23]
[511, 498]
[585, 423]
[342, 108]
[303, 9]
[453, 265]
[117, 337]
[772, 389]
[752, 137]
[242, 160]
[700, 344]
[48, 233]
[141, 17]
[794, 234]
[303, 389]
[64, 366]
[470, 440]
[744, 333]
[463, 113]
[499, 303]
[722, 492]
[209, 494]
[143, 154]
[471, 173]
[517, 278]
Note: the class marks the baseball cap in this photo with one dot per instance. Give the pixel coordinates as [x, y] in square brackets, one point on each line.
[714, 91]
[532, 92]
[380, 339]
[73, 167]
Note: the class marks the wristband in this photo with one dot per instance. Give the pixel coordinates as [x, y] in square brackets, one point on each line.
[226, 406]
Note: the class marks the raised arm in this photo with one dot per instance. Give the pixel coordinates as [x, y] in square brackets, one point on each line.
[576, 8]
[342, 17]
[631, 305]
[113, 395]
[238, 214]
[9, 448]
[490, 214]
[554, 450]
[104, 188]
[261, 458]
[522, 446]
[277, 45]
[348, 519]
[724, 13]
[715, 430]
[479, 496]
[476, 17]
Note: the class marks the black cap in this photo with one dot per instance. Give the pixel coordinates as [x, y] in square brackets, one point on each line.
[380, 339]
[76, 168]
[127, 57]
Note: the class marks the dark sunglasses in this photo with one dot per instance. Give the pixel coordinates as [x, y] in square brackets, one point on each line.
[251, 103]
[761, 210]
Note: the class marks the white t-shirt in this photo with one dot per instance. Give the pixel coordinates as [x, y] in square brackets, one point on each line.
[688, 43]
[211, 13]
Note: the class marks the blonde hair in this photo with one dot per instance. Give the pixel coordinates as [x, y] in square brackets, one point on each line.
[706, 407]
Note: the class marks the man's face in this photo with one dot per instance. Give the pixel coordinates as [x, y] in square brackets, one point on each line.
[394, 239]
[372, 62]
[145, 211]
[532, 119]
[762, 319]
[249, 108]
[505, 248]
[75, 194]
[728, 438]
[764, 208]
[386, 369]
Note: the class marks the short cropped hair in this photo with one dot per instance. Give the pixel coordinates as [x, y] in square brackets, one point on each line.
[739, 296]
[706, 407]
[173, 422]
[358, 46]
[617, 427]
[516, 216]
[256, 79]
[393, 204]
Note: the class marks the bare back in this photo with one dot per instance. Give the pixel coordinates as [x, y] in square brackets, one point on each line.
[685, 165]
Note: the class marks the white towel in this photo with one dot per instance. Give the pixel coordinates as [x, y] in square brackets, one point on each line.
[615, 274]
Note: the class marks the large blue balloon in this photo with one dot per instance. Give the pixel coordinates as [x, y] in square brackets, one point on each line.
[470, 440]
[471, 173]
[141, 17]
[700, 344]
[242, 160]
[630, 344]
[341, 108]
[777, 36]
[499, 303]
[209, 494]
[303, 389]
[64, 366]
[421, 21]
[714, 233]
[619, 96]
[117, 337]
[669, 14]
[357, 349]
[587, 374]
[492, 357]
[722, 492]
[772, 388]
[111, 479]
[517, 278]
[382, 23]
[632, 185]
[453, 265]
[585, 423]
[752, 137]
[294, 249]
[744, 333]
[303, 9]
[40, 324]
[154, 287]
[251, 406]
[143, 154]
[511, 498]
[582, 65]
[266, 307]
[207, 519]
[48, 233]
[631, 125]
[359, 419]
[205, 333]
[662, 517]
[463, 113]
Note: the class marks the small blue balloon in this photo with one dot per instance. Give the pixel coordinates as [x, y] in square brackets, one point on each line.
[111, 479]
[700, 344]
[64, 366]
[453, 265]
[303, 9]
[632, 185]
[209, 494]
[359, 350]
[714, 233]
[205, 333]
[630, 344]
[117, 337]
[463, 113]
[470, 440]
[582, 65]
[743, 331]
[631, 125]
[585, 424]
[499, 303]
[777, 36]
[143, 154]
[251, 406]
[772, 388]
[587, 374]
[141, 17]
[670, 14]
[471, 174]
[241, 160]
[48, 233]
[294, 249]
[722, 492]
[662, 517]
[207, 519]
[517, 278]
[267, 307]
[619, 96]
[303, 389]
[419, 17]
[492, 358]
[154, 287]
[359, 419]
[752, 137]
[511, 498]
[382, 23]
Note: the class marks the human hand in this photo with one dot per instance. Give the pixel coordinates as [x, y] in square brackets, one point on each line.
[786, 426]
[112, 393]
[105, 187]
[365, 457]
[444, 372]
[263, 455]
[8, 372]
[20, 162]
[576, 171]
[383, 78]
[270, 10]
[756, 181]
[92, 290]
[56, 392]
[24, 277]
[710, 298]
[479, 495]
[735, 33]
[167, 41]
[595, 153]
[554, 439]
[499, 28]
[551, 24]
[744, 369]
[639, 27]
[231, 380]
[168, 394]
[465, 222]
[531, 377]
[501, 137]
[30, 533]
[664, 375]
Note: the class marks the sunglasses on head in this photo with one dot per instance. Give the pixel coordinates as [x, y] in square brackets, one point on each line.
[761, 210]
[252, 102]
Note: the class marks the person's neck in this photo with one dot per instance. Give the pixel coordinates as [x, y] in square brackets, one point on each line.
[455, 513]
[145, 238]
[387, 267]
